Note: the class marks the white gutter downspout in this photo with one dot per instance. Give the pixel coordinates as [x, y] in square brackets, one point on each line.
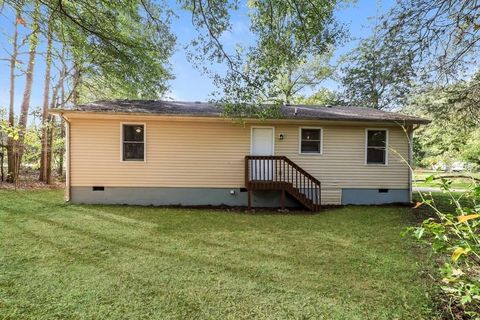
[410, 131]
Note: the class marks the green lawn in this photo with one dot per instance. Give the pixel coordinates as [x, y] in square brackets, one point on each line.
[457, 183]
[60, 261]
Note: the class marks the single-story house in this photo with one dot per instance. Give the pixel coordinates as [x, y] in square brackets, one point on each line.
[187, 153]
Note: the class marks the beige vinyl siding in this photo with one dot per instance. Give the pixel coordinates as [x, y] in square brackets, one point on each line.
[178, 154]
[342, 163]
[211, 154]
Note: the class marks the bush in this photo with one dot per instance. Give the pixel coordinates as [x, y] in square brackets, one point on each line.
[453, 233]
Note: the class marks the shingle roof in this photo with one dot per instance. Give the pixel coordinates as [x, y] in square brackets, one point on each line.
[205, 109]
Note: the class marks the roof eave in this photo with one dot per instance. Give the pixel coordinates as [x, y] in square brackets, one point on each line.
[60, 112]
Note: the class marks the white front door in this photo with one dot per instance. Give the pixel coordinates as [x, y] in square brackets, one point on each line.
[262, 145]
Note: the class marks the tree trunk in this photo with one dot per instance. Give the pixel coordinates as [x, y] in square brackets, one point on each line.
[2, 157]
[1, 166]
[61, 152]
[22, 123]
[76, 83]
[11, 110]
[76, 79]
[62, 121]
[46, 93]
[49, 137]
[288, 87]
[48, 170]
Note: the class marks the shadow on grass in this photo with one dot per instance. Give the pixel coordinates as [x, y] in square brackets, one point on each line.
[110, 270]
[339, 260]
[180, 256]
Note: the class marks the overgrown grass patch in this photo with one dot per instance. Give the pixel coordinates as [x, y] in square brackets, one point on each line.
[441, 200]
[62, 261]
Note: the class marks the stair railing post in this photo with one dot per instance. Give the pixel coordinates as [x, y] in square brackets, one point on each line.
[320, 194]
[246, 173]
[247, 181]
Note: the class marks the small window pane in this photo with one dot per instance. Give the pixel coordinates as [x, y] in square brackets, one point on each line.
[376, 146]
[133, 142]
[133, 133]
[377, 138]
[376, 156]
[310, 134]
[310, 141]
[133, 151]
[310, 147]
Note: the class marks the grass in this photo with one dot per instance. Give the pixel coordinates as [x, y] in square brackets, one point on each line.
[442, 201]
[457, 183]
[61, 261]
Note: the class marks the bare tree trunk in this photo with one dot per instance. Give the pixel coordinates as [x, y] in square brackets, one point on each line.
[61, 152]
[62, 121]
[289, 86]
[48, 170]
[11, 110]
[2, 155]
[76, 82]
[49, 137]
[22, 123]
[46, 94]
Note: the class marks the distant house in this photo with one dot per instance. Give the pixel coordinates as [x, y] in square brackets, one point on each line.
[186, 153]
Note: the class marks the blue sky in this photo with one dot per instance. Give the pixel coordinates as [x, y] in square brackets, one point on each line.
[190, 84]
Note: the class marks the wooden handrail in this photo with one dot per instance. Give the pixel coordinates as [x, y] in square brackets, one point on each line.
[293, 164]
[279, 172]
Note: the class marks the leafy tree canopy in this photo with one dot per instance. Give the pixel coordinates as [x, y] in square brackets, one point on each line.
[116, 48]
[288, 35]
[374, 75]
[416, 43]
[455, 115]
[321, 97]
[443, 36]
[304, 74]
[471, 151]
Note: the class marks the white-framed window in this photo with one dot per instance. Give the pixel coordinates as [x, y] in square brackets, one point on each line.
[310, 140]
[133, 141]
[376, 146]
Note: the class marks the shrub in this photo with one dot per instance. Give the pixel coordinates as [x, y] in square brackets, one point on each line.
[453, 233]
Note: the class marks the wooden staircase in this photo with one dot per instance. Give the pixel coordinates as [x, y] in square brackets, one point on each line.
[281, 173]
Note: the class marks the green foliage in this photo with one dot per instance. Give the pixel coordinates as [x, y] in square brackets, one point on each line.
[453, 133]
[11, 132]
[124, 56]
[471, 150]
[421, 42]
[292, 39]
[31, 148]
[118, 49]
[292, 79]
[375, 75]
[443, 36]
[453, 235]
[290, 31]
[321, 97]
[460, 180]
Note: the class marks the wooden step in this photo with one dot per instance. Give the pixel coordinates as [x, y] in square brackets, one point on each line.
[282, 174]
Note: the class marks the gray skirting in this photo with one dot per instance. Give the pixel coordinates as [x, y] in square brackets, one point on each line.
[375, 196]
[220, 196]
[177, 196]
